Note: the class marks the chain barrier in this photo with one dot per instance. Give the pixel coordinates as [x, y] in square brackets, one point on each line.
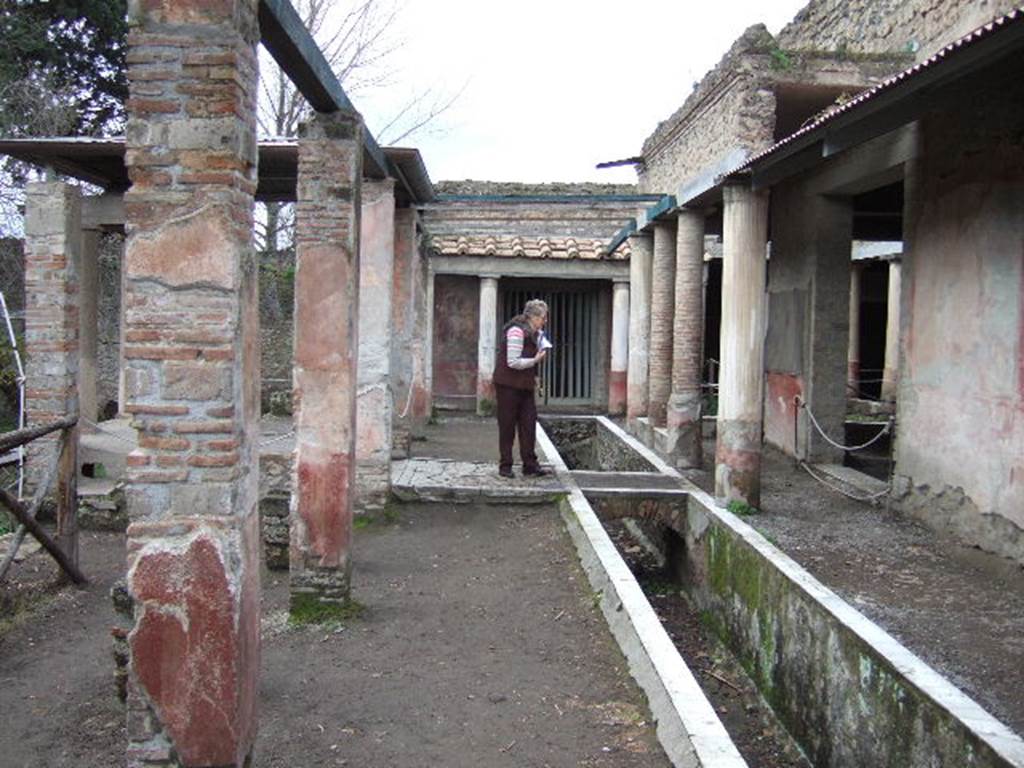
[884, 431]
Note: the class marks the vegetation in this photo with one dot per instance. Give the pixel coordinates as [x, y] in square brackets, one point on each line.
[308, 610]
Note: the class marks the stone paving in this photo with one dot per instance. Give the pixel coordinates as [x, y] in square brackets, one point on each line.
[438, 479]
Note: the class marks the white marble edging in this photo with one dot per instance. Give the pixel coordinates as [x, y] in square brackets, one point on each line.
[687, 726]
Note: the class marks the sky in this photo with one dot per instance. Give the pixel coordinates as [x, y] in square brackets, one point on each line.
[546, 89]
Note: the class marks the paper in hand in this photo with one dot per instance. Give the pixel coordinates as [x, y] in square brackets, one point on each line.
[543, 342]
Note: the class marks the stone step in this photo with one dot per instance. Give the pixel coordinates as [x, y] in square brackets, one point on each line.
[464, 482]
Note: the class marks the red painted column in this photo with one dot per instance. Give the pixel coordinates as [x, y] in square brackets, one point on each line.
[620, 348]
[192, 383]
[327, 230]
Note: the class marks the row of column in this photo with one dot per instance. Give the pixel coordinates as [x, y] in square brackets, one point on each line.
[666, 333]
[666, 337]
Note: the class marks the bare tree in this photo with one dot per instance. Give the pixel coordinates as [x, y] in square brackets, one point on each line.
[357, 38]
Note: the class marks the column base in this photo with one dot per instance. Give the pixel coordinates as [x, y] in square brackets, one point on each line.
[738, 462]
[617, 393]
[683, 433]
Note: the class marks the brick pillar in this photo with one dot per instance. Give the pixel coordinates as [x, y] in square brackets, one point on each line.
[890, 376]
[641, 252]
[88, 328]
[327, 233]
[375, 403]
[53, 245]
[620, 348]
[684, 405]
[408, 326]
[740, 401]
[192, 383]
[487, 340]
[662, 311]
[853, 348]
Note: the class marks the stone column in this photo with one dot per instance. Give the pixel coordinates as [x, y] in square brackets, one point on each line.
[406, 294]
[620, 348]
[663, 282]
[375, 404]
[327, 305]
[890, 376]
[640, 263]
[88, 329]
[192, 383]
[853, 350]
[684, 406]
[487, 344]
[738, 451]
[53, 255]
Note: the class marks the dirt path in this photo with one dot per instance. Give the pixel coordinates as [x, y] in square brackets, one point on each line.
[959, 609]
[480, 645]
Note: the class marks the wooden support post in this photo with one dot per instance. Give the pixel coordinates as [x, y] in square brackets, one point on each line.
[21, 514]
[67, 495]
[13, 439]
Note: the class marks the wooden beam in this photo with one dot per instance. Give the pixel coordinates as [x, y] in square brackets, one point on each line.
[286, 39]
[18, 437]
[21, 514]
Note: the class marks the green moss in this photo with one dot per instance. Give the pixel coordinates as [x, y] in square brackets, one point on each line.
[306, 609]
[741, 508]
[485, 407]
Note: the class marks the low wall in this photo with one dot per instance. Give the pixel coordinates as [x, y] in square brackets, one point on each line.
[848, 692]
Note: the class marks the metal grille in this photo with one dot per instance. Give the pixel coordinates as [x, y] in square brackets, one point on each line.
[567, 374]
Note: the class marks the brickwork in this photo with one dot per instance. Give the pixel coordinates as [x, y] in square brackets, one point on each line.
[327, 285]
[919, 27]
[192, 383]
[639, 326]
[53, 242]
[409, 331]
[662, 312]
[375, 404]
[684, 407]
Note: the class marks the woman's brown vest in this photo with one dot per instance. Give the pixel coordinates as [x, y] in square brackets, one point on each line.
[511, 377]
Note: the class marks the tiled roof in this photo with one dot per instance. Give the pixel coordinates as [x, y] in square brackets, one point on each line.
[951, 51]
[527, 247]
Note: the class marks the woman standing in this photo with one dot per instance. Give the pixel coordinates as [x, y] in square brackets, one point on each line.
[515, 378]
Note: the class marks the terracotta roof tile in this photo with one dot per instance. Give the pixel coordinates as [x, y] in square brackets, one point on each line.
[527, 247]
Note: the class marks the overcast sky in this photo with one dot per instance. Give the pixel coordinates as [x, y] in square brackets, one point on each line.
[549, 88]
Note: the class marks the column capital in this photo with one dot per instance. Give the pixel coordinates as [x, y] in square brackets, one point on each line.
[489, 276]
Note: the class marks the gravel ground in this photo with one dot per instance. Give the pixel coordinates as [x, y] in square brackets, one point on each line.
[956, 607]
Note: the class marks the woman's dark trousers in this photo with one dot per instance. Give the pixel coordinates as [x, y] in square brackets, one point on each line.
[517, 411]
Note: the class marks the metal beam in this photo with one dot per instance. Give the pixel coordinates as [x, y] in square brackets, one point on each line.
[286, 39]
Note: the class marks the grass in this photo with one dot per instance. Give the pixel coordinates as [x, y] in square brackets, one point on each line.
[309, 610]
[741, 508]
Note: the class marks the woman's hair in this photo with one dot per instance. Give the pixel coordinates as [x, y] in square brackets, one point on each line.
[536, 308]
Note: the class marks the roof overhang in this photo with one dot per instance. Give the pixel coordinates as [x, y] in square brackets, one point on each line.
[101, 162]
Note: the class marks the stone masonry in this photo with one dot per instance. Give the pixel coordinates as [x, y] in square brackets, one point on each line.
[683, 418]
[53, 240]
[375, 403]
[192, 383]
[327, 304]
[662, 311]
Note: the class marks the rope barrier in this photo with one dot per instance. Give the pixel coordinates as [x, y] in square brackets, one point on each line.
[278, 439]
[885, 430]
[867, 499]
